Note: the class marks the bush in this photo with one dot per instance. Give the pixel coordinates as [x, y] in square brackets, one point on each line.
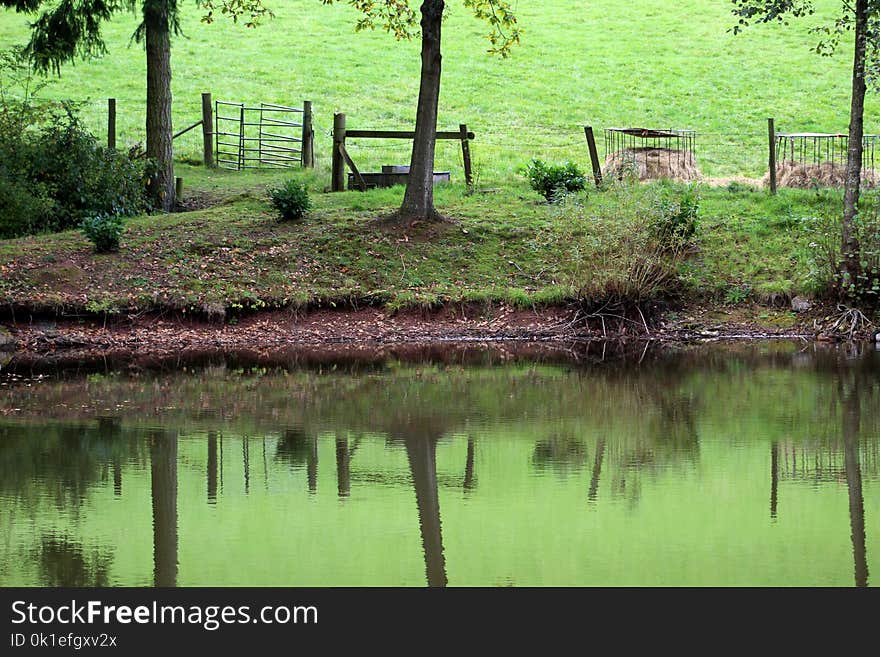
[83, 177]
[291, 200]
[554, 181]
[24, 208]
[104, 231]
[53, 172]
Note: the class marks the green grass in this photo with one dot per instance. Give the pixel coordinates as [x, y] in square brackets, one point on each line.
[506, 246]
[605, 63]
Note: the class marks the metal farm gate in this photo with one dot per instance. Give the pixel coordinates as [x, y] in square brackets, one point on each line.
[265, 136]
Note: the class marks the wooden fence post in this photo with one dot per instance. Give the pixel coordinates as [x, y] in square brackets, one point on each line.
[178, 189]
[208, 130]
[111, 123]
[308, 137]
[771, 129]
[466, 156]
[594, 155]
[337, 183]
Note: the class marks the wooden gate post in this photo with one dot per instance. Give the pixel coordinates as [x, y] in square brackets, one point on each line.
[111, 123]
[308, 137]
[594, 155]
[337, 183]
[466, 156]
[771, 129]
[208, 130]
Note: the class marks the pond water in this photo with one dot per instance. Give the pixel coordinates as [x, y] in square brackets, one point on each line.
[743, 465]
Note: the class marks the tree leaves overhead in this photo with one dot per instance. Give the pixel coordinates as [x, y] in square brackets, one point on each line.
[253, 11]
[69, 29]
[394, 16]
[400, 18]
[499, 14]
[769, 11]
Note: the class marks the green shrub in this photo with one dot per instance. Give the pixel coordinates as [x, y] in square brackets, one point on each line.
[553, 181]
[291, 200]
[104, 231]
[53, 172]
[24, 208]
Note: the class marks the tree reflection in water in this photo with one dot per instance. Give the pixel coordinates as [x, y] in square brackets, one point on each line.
[296, 448]
[163, 484]
[65, 563]
[851, 401]
[422, 456]
[612, 430]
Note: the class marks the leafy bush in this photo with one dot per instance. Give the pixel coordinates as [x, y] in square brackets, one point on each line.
[553, 181]
[53, 172]
[24, 208]
[104, 231]
[83, 177]
[291, 200]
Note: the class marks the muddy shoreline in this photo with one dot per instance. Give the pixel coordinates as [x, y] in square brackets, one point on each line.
[366, 334]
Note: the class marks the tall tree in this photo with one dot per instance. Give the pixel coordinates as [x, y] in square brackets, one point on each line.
[399, 18]
[862, 18]
[70, 28]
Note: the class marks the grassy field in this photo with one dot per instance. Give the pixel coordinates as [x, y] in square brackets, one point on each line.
[604, 62]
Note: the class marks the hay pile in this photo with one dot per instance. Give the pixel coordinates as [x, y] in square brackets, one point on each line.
[652, 163]
[806, 176]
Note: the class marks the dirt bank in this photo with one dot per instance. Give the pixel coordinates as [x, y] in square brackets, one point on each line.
[162, 335]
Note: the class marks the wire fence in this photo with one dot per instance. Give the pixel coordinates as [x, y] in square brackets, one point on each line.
[499, 147]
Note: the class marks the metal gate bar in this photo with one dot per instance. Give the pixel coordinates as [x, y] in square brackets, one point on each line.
[264, 136]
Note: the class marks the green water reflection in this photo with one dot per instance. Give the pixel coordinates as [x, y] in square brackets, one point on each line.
[735, 466]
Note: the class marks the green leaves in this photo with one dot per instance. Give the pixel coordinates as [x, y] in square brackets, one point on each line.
[104, 231]
[66, 30]
[553, 182]
[396, 17]
[505, 32]
[769, 11]
[400, 18]
[291, 200]
[252, 11]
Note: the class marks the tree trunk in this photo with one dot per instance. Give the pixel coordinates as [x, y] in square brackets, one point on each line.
[159, 132]
[850, 257]
[418, 201]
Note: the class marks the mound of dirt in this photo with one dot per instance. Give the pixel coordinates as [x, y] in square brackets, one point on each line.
[652, 163]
